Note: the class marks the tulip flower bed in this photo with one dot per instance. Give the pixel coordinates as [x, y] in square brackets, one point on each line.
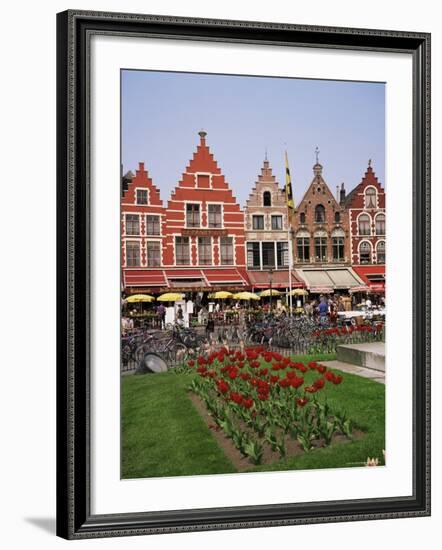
[269, 406]
[327, 340]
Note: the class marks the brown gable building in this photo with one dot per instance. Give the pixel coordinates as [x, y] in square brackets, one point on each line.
[321, 238]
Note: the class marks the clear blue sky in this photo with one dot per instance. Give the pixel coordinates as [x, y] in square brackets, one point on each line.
[243, 116]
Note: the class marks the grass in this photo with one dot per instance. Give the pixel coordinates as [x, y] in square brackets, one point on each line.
[163, 434]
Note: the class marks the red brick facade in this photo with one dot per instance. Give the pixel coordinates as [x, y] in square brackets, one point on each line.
[142, 229]
[366, 211]
[201, 232]
[199, 240]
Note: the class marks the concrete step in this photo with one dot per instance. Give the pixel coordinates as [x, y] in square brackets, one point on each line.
[370, 355]
[376, 375]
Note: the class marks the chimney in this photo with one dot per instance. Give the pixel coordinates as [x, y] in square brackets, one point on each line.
[342, 194]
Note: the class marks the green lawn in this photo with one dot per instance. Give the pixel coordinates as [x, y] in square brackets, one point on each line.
[163, 434]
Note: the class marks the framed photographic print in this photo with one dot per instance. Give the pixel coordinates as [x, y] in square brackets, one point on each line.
[230, 353]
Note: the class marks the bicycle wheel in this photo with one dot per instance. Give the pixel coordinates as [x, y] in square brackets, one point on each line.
[176, 355]
[151, 363]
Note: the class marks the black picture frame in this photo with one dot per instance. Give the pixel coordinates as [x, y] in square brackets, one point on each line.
[74, 518]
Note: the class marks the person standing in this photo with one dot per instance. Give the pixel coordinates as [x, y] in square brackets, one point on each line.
[180, 315]
[161, 315]
[210, 327]
[323, 310]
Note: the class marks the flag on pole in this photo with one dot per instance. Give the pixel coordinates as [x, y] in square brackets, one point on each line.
[288, 185]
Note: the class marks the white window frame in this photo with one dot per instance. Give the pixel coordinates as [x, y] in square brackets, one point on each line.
[364, 213]
[145, 224]
[125, 234]
[207, 214]
[148, 240]
[136, 196]
[359, 251]
[138, 240]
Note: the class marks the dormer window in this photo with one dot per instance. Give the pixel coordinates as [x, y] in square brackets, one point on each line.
[142, 196]
[267, 198]
[370, 197]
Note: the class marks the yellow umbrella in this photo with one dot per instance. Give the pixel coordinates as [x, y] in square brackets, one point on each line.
[298, 292]
[170, 297]
[270, 292]
[221, 295]
[246, 296]
[135, 298]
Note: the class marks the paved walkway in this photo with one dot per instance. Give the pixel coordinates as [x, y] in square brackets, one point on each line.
[376, 375]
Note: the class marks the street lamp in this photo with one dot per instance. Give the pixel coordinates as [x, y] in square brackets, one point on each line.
[271, 281]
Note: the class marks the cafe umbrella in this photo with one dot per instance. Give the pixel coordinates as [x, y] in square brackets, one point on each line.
[246, 296]
[140, 299]
[221, 295]
[170, 297]
[270, 292]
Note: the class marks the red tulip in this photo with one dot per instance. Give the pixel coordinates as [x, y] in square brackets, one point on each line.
[319, 383]
[297, 382]
[302, 401]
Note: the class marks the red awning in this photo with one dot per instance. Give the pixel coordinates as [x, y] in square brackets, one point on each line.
[280, 279]
[184, 274]
[144, 277]
[224, 276]
[373, 276]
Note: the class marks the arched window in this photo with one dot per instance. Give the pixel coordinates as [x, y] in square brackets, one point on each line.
[380, 252]
[364, 224]
[337, 217]
[380, 224]
[319, 214]
[302, 217]
[267, 198]
[365, 253]
[370, 197]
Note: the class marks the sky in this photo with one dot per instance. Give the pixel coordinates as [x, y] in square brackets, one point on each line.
[247, 116]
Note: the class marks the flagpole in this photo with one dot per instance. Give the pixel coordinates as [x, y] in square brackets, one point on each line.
[289, 237]
[289, 224]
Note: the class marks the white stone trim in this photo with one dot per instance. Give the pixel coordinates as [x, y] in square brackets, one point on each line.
[207, 214]
[364, 213]
[160, 234]
[136, 203]
[124, 223]
[133, 239]
[376, 197]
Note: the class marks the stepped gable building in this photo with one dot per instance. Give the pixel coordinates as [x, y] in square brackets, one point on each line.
[204, 242]
[322, 239]
[142, 233]
[266, 233]
[366, 209]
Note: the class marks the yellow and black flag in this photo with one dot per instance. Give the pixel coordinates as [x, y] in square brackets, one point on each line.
[288, 185]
